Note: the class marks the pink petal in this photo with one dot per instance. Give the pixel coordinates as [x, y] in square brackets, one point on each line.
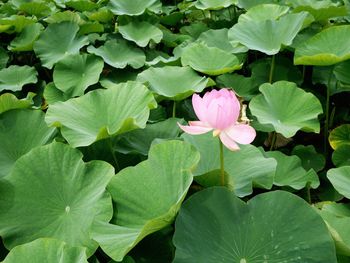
[199, 107]
[195, 129]
[241, 133]
[228, 142]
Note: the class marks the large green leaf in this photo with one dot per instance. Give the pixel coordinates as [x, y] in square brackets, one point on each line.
[4, 57]
[133, 8]
[215, 225]
[58, 41]
[309, 157]
[81, 5]
[214, 4]
[8, 101]
[289, 172]
[47, 250]
[341, 156]
[75, 73]
[25, 40]
[147, 196]
[320, 49]
[337, 217]
[340, 136]
[268, 36]
[340, 179]
[102, 113]
[51, 192]
[209, 60]
[287, 108]
[139, 141]
[15, 23]
[243, 168]
[15, 140]
[165, 81]
[217, 38]
[264, 12]
[15, 77]
[141, 32]
[119, 54]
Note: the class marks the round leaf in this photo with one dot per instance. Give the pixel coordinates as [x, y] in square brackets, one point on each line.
[75, 73]
[51, 192]
[287, 108]
[217, 38]
[15, 77]
[268, 36]
[8, 101]
[341, 155]
[215, 225]
[141, 33]
[15, 140]
[115, 110]
[46, 250]
[63, 37]
[340, 179]
[215, 61]
[264, 12]
[119, 54]
[165, 81]
[214, 4]
[133, 8]
[320, 49]
[25, 40]
[148, 196]
[309, 157]
[340, 136]
[243, 168]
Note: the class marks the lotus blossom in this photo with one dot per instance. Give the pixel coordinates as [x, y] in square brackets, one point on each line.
[218, 111]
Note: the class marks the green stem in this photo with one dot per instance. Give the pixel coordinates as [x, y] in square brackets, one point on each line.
[273, 141]
[304, 69]
[174, 109]
[326, 125]
[308, 192]
[230, 13]
[116, 164]
[222, 165]
[235, 12]
[272, 68]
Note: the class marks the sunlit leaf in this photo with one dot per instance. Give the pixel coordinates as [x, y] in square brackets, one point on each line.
[15, 77]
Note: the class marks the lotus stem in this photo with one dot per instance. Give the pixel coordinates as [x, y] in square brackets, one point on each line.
[222, 165]
[116, 164]
[272, 68]
[174, 109]
[308, 192]
[326, 125]
[273, 141]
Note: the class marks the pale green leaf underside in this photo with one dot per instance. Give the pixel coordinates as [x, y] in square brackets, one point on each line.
[214, 224]
[102, 113]
[148, 196]
[287, 108]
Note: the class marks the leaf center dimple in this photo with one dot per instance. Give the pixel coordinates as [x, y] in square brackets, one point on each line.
[67, 209]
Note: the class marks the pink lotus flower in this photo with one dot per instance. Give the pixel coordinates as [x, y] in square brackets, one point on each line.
[219, 110]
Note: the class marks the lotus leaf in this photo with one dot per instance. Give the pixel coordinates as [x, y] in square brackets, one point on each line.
[165, 81]
[100, 114]
[58, 198]
[240, 166]
[209, 60]
[268, 36]
[15, 142]
[62, 36]
[47, 250]
[320, 49]
[340, 179]
[287, 108]
[148, 196]
[119, 54]
[75, 73]
[133, 8]
[214, 224]
[15, 77]
[340, 136]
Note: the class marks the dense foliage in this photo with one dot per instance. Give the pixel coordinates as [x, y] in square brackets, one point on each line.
[94, 166]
